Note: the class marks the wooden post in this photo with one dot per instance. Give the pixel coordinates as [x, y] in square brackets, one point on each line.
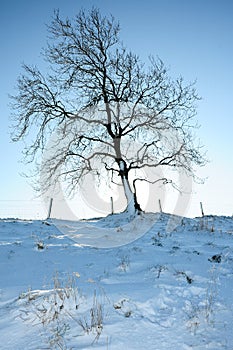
[112, 211]
[160, 206]
[202, 211]
[50, 208]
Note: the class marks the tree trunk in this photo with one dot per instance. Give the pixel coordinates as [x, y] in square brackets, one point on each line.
[133, 206]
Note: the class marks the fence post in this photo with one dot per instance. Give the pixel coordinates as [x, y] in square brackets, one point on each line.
[112, 211]
[160, 206]
[202, 211]
[50, 208]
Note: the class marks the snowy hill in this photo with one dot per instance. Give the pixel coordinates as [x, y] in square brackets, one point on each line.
[161, 290]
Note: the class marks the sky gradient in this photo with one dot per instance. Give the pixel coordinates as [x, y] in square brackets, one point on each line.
[193, 38]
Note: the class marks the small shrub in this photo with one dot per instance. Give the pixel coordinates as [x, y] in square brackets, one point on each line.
[188, 279]
[94, 323]
[124, 263]
[157, 240]
[54, 309]
[40, 245]
[217, 258]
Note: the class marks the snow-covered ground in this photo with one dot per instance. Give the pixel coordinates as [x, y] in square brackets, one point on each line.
[162, 290]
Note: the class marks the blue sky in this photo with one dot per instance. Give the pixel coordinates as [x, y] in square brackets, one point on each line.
[193, 38]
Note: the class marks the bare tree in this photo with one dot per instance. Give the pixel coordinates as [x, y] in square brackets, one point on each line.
[107, 105]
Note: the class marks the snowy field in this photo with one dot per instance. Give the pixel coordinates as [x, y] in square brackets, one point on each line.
[164, 290]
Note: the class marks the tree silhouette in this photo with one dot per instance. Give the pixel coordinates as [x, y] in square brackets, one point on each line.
[107, 105]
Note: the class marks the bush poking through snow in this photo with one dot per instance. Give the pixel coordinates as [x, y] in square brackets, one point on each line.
[46, 306]
[40, 245]
[204, 309]
[55, 308]
[156, 240]
[124, 263]
[217, 258]
[95, 322]
[182, 273]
